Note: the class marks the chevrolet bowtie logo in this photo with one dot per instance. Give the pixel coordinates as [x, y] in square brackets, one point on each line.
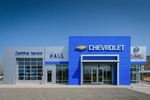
[82, 47]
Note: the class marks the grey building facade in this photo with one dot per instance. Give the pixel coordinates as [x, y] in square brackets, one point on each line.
[28, 65]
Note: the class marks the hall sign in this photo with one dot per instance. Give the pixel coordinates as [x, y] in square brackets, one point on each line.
[56, 56]
[28, 53]
[106, 47]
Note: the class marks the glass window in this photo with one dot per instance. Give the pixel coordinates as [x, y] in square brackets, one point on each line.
[33, 63]
[39, 74]
[135, 75]
[39, 71]
[92, 72]
[87, 75]
[27, 67]
[21, 63]
[65, 74]
[21, 67]
[40, 63]
[40, 59]
[21, 70]
[65, 65]
[21, 59]
[27, 78]
[33, 68]
[62, 74]
[59, 75]
[27, 63]
[59, 65]
[30, 70]
[39, 78]
[21, 74]
[33, 78]
[33, 59]
[21, 78]
[39, 67]
[27, 59]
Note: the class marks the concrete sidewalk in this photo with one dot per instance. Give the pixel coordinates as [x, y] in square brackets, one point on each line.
[57, 86]
[136, 87]
[145, 88]
[71, 86]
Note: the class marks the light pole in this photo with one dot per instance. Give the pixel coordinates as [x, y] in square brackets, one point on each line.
[142, 68]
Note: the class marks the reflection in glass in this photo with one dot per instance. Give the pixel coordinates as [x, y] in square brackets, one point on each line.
[65, 73]
[33, 59]
[62, 74]
[21, 63]
[40, 59]
[135, 74]
[27, 78]
[87, 75]
[33, 63]
[92, 72]
[59, 75]
[108, 74]
[27, 59]
[33, 78]
[94, 75]
[27, 63]
[100, 75]
[49, 76]
[21, 78]
[30, 68]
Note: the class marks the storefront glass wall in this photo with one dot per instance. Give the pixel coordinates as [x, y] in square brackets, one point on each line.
[30, 68]
[106, 75]
[62, 74]
[135, 73]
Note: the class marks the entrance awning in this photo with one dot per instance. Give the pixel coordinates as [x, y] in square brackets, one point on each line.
[99, 58]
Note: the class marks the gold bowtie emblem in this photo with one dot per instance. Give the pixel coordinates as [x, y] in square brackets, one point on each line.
[82, 47]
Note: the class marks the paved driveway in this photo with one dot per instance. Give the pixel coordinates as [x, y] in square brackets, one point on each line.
[71, 94]
[1, 82]
[147, 82]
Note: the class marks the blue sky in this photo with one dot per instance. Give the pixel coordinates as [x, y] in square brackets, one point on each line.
[50, 22]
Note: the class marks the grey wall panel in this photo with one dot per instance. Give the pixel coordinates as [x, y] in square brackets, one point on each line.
[10, 73]
[57, 49]
[9, 68]
[49, 67]
[8, 80]
[10, 64]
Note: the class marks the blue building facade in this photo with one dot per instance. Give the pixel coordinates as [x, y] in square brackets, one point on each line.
[123, 53]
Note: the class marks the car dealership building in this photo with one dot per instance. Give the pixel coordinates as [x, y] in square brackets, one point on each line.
[86, 60]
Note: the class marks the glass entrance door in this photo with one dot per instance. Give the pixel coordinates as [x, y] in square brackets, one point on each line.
[49, 76]
[97, 76]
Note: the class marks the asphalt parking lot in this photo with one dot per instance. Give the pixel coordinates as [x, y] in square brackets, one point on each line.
[71, 94]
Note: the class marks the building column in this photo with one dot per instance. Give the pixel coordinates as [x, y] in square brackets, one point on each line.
[118, 73]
